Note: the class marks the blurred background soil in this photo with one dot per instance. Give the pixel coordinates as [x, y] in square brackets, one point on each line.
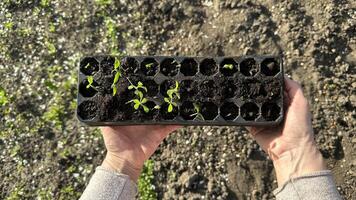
[45, 153]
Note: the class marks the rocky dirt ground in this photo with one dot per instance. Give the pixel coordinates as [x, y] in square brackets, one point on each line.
[46, 154]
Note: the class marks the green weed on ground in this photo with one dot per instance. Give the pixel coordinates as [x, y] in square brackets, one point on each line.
[145, 182]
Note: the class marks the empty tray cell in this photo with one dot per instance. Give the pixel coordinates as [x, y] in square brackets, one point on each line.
[209, 110]
[229, 111]
[249, 67]
[187, 110]
[152, 87]
[129, 65]
[87, 90]
[149, 66]
[270, 111]
[169, 67]
[228, 89]
[89, 66]
[189, 67]
[165, 114]
[228, 67]
[208, 67]
[209, 88]
[188, 89]
[249, 111]
[87, 110]
[107, 65]
[270, 67]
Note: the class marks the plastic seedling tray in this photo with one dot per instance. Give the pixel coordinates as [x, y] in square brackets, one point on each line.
[229, 91]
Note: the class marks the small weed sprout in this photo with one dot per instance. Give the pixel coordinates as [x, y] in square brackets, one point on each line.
[197, 111]
[228, 66]
[86, 66]
[117, 70]
[173, 95]
[140, 101]
[175, 62]
[149, 65]
[90, 82]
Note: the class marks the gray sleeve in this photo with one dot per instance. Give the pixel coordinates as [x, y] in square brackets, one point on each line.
[109, 185]
[314, 186]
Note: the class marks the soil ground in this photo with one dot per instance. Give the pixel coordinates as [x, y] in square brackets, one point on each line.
[46, 154]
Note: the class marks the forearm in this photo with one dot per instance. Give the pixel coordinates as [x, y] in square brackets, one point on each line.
[313, 186]
[302, 174]
[107, 184]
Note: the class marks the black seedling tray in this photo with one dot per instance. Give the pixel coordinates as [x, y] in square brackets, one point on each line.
[227, 91]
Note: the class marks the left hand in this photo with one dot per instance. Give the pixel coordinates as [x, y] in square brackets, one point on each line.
[128, 147]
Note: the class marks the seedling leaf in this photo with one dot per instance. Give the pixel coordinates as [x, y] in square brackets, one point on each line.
[117, 64]
[170, 108]
[145, 108]
[86, 66]
[117, 76]
[228, 66]
[114, 90]
[137, 105]
[149, 65]
[157, 107]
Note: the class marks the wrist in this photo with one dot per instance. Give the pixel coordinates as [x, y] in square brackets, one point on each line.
[297, 162]
[121, 166]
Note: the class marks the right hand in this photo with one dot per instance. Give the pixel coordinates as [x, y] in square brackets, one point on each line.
[291, 145]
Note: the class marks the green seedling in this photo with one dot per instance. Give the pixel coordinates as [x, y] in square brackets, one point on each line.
[149, 65]
[139, 102]
[117, 70]
[173, 95]
[197, 111]
[86, 66]
[90, 82]
[228, 66]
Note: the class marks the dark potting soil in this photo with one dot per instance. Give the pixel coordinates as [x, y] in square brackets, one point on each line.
[208, 67]
[229, 89]
[209, 110]
[107, 65]
[229, 111]
[188, 89]
[89, 66]
[270, 111]
[129, 65]
[252, 89]
[249, 67]
[152, 87]
[189, 67]
[169, 67]
[87, 110]
[209, 88]
[187, 110]
[149, 66]
[249, 111]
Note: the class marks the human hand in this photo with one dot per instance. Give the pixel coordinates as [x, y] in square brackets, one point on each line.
[128, 147]
[291, 145]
